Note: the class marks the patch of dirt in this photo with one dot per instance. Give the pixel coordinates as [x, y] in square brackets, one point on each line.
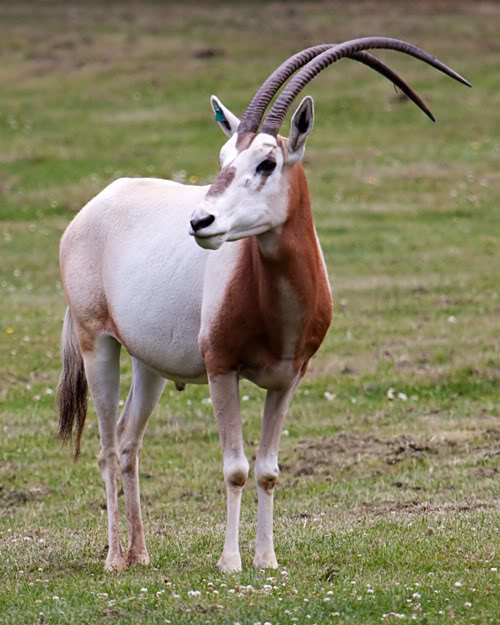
[7, 182]
[112, 612]
[208, 53]
[327, 455]
[405, 486]
[20, 496]
[412, 506]
[485, 472]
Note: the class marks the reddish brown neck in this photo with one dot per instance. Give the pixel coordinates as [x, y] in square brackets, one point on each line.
[278, 304]
[292, 247]
[287, 263]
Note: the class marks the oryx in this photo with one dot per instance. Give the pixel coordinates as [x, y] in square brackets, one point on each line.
[205, 284]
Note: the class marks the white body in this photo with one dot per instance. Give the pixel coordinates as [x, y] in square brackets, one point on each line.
[156, 287]
[245, 296]
[160, 289]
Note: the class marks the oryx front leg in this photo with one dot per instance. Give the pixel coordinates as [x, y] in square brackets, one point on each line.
[102, 368]
[226, 402]
[146, 390]
[266, 474]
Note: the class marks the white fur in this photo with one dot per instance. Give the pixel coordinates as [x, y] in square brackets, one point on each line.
[134, 276]
[247, 207]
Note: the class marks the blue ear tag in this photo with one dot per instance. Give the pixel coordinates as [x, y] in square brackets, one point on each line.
[219, 115]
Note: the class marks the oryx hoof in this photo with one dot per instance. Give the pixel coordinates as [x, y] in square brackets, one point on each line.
[266, 560]
[138, 557]
[229, 563]
[116, 564]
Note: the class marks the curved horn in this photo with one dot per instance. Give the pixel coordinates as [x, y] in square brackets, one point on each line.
[280, 108]
[256, 109]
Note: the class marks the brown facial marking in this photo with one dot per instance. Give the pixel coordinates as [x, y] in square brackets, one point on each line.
[222, 182]
[265, 175]
[249, 326]
[244, 140]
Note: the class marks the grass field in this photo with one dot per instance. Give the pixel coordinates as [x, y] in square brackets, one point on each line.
[387, 509]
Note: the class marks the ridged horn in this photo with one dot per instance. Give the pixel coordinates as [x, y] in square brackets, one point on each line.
[257, 107]
[280, 107]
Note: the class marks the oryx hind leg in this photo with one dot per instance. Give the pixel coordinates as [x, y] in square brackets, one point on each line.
[146, 390]
[102, 369]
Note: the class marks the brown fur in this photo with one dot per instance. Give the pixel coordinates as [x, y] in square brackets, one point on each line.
[72, 388]
[265, 177]
[244, 140]
[222, 182]
[249, 325]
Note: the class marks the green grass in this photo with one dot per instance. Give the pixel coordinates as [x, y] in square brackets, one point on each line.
[385, 507]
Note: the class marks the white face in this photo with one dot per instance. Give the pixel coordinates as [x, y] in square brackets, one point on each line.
[248, 196]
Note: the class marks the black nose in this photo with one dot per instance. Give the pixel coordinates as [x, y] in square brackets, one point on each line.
[198, 224]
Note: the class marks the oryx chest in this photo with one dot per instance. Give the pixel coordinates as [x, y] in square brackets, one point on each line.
[253, 327]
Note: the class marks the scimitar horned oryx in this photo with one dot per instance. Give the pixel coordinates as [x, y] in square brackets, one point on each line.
[144, 265]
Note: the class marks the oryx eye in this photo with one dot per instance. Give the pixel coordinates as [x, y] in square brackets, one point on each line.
[266, 167]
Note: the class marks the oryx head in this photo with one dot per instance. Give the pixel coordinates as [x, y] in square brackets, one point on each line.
[249, 196]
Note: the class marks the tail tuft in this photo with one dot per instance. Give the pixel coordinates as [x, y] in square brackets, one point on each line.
[72, 389]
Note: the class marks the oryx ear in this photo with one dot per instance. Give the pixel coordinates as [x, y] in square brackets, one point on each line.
[226, 120]
[301, 125]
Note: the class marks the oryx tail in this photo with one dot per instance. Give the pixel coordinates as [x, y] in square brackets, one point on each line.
[72, 387]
